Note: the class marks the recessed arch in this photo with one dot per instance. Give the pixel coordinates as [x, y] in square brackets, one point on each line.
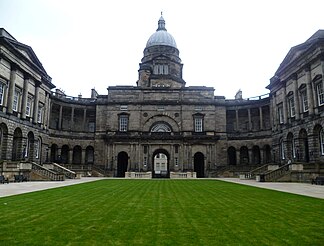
[160, 161]
[231, 155]
[303, 145]
[17, 149]
[122, 164]
[199, 164]
[77, 154]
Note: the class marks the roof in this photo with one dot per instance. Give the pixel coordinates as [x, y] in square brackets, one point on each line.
[298, 50]
[161, 36]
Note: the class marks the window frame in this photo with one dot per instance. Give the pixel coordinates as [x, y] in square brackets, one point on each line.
[304, 99]
[320, 93]
[198, 123]
[280, 113]
[16, 100]
[2, 92]
[123, 120]
[291, 104]
[321, 140]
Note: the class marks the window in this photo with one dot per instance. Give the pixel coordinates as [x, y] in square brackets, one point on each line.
[161, 69]
[198, 121]
[282, 149]
[321, 136]
[123, 123]
[176, 161]
[145, 161]
[304, 100]
[40, 113]
[123, 107]
[176, 149]
[291, 104]
[28, 106]
[16, 100]
[145, 149]
[280, 114]
[2, 86]
[37, 147]
[320, 93]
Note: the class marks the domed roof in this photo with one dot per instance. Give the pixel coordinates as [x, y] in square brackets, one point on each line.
[161, 36]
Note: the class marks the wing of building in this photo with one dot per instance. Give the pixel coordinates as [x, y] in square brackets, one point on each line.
[159, 127]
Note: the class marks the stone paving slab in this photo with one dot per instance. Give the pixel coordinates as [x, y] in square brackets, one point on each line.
[295, 188]
[31, 186]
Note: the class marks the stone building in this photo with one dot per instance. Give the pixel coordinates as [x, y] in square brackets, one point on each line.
[160, 126]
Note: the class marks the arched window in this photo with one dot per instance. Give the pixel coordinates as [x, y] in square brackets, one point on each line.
[282, 149]
[321, 139]
[161, 127]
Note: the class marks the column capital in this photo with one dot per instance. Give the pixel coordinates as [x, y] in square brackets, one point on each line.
[307, 68]
[293, 76]
[14, 66]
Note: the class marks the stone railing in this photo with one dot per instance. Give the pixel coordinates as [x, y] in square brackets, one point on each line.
[43, 171]
[183, 175]
[138, 175]
[67, 172]
[252, 174]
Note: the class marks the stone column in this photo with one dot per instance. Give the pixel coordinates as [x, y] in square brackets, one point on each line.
[296, 98]
[70, 155]
[60, 118]
[83, 156]
[36, 101]
[261, 117]
[47, 110]
[72, 119]
[11, 92]
[236, 120]
[25, 96]
[309, 89]
[84, 119]
[249, 119]
[275, 119]
[284, 105]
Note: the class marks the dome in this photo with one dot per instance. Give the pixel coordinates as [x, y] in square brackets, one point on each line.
[161, 36]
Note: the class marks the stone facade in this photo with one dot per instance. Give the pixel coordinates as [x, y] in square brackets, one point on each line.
[127, 129]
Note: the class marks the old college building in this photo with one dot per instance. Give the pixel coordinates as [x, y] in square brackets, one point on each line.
[160, 127]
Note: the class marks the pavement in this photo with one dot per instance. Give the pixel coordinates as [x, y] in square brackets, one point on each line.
[304, 189]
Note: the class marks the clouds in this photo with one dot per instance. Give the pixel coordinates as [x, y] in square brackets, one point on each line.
[225, 44]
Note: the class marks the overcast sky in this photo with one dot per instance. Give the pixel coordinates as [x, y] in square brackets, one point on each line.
[228, 45]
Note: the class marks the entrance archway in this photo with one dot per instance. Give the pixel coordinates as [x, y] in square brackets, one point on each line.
[161, 164]
[199, 165]
[303, 145]
[122, 163]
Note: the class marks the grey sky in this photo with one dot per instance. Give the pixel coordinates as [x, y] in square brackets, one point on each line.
[228, 45]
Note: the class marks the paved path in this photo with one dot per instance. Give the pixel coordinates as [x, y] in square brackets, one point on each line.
[25, 187]
[296, 188]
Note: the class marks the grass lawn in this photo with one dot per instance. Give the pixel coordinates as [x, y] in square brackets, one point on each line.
[161, 212]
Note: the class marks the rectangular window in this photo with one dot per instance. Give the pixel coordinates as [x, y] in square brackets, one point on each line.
[40, 114]
[280, 114]
[291, 104]
[36, 149]
[145, 161]
[320, 93]
[2, 86]
[15, 100]
[123, 123]
[304, 100]
[28, 106]
[198, 124]
[176, 161]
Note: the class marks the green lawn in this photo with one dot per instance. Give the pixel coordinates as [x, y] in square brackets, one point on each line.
[161, 212]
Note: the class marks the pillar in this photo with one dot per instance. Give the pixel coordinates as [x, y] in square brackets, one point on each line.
[249, 119]
[60, 118]
[309, 89]
[11, 92]
[296, 98]
[72, 118]
[236, 119]
[84, 119]
[261, 118]
[36, 102]
[24, 97]
[284, 104]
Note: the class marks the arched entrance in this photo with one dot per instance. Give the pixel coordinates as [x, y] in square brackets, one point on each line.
[244, 155]
[122, 163]
[17, 150]
[231, 155]
[54, 150]
[303, 145]
[256, 156]
[65, 154]
[3, 141]
[161, 164]
[199, 165]
[89, 157]
[77, 154]
[266, 154]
